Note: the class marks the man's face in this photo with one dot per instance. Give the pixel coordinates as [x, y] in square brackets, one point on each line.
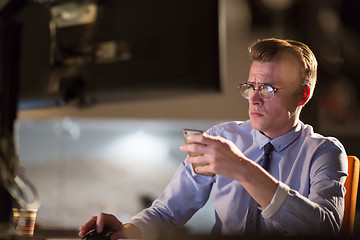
[279, 115]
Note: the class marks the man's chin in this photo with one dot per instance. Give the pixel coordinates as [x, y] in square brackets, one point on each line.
[255, 125]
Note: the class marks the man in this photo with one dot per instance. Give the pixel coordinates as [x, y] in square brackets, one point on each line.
[300, 191]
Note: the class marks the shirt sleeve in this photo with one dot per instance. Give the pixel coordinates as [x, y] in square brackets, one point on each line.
[276, 202]
[321, 211]
[185, 194]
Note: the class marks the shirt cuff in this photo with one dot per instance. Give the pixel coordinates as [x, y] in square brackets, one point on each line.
[276, 202]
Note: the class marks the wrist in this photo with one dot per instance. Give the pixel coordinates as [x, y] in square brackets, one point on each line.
[131, 231]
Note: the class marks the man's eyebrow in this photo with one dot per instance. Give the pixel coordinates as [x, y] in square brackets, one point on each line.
[263, 83]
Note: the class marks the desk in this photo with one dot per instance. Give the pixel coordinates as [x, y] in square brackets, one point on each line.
[72, 234]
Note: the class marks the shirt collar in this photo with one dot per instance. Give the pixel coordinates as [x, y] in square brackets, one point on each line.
[281, 142]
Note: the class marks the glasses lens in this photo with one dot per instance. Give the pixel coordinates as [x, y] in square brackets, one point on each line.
[245, 90]
[266, 92]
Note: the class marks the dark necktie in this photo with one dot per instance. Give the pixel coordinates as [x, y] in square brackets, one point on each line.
[254, 212]
[268, 148]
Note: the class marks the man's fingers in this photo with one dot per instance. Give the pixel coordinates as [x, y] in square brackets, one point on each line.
[90, 224]
[100, 222]
[108, 220]
[197, 138]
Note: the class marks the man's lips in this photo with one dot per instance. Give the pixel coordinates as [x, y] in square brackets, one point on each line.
[256, 114]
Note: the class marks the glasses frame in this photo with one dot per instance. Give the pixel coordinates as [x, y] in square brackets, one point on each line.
[259, 88]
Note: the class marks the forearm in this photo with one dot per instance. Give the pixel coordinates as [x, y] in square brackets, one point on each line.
[320, 212]
[172, 208]
[296, 214]
[257, 182]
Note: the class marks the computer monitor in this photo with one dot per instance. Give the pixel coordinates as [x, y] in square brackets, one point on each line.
[86, 52]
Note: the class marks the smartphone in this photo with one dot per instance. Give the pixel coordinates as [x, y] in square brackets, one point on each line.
[186, 133]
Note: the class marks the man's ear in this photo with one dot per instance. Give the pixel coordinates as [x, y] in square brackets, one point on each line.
[305, 95]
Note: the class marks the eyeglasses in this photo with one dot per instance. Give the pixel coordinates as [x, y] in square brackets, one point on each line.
[266, 91]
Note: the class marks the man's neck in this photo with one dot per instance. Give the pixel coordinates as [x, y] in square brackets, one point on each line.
[275, 134]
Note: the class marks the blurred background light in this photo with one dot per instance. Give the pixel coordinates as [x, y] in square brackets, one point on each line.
[138, 147]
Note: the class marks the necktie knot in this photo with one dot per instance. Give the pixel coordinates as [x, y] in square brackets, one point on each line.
[268, 148]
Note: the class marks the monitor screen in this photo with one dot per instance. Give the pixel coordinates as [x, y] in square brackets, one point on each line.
[88, 52]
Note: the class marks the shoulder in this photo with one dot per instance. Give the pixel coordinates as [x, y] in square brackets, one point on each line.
[326, 151]
[326, 143]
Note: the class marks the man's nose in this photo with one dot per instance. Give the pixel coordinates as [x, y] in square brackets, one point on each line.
[255, 97]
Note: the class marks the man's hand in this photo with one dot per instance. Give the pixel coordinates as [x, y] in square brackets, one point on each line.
[217, 155]
[111, 222]
[221, 156]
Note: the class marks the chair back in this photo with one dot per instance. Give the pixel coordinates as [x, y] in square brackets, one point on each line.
[351, 185]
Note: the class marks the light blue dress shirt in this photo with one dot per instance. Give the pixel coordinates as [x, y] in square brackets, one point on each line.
[309, 199]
